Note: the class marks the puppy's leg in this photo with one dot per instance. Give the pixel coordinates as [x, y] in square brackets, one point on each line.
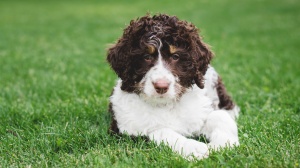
[188, 148]
[221, 130]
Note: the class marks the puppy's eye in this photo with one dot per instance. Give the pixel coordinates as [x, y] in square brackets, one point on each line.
[148, 57]
[175, 57]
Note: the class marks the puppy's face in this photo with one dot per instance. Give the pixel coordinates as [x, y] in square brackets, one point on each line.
[159, 57]
[165, 70]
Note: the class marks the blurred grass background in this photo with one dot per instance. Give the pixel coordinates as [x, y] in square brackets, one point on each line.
[55, 82]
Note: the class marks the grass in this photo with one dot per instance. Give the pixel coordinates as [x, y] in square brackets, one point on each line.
[55, 83]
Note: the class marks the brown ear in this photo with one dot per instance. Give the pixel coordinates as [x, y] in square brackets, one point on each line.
[119, 61]
[116, 57]
[204, 56]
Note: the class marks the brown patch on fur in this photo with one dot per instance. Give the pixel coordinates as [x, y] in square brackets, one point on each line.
[225, 100]
[172, 49]
[151, 49]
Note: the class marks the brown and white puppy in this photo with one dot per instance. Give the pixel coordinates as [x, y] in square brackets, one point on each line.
[167, 90]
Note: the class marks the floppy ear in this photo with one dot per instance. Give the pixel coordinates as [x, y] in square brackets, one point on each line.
[116, 57]
[204, 56]
[120, 55]
[120, 62]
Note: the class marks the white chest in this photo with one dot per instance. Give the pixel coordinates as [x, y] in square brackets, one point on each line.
[136, 117]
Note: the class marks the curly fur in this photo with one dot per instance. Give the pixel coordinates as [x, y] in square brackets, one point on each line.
[167, 90]
[124, 55]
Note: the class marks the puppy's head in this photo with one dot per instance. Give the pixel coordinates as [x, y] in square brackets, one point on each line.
[160, 56]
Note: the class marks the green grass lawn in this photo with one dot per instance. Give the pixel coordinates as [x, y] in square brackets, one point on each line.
[55, 82]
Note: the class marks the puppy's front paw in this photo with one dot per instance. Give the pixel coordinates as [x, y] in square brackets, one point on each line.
[194, 150]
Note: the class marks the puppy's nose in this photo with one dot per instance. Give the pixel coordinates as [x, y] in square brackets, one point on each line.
[161, 86]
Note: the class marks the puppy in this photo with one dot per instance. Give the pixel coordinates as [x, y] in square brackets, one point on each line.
[167, 90]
